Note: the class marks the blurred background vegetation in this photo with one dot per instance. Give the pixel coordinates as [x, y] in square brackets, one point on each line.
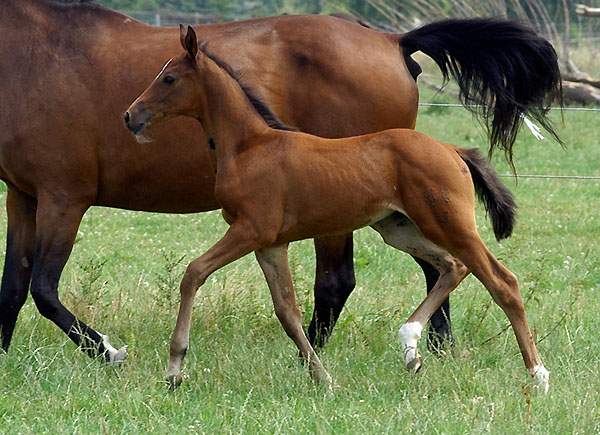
[246, 8]
[575, 35]
[381, 12]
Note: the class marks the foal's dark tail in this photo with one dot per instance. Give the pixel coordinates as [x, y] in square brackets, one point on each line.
[501, 65]
[498, 200]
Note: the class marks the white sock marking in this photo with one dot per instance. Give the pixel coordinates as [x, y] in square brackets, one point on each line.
[114, 356]
[409, 334]
[541, 378]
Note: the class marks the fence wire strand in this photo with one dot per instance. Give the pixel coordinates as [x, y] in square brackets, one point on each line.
[562, 177]
[475, 106]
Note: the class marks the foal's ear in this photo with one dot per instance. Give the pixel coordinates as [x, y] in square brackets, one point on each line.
[188, 40]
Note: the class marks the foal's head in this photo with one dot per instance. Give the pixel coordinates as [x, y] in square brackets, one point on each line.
[175, 90]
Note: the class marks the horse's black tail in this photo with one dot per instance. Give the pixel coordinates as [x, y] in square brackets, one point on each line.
[501, 65]
[498, 200]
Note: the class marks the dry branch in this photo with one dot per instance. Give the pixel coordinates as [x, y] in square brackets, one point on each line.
[580, 93]
[586, 11]
[582, 78]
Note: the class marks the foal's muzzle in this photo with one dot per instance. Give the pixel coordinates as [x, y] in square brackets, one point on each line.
[136, 118]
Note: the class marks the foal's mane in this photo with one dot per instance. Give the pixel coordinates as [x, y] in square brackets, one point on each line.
[259, 105]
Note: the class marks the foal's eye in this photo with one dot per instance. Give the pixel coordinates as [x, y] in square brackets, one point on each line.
[169, 80]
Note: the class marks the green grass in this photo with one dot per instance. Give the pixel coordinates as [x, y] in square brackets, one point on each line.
[242, 373]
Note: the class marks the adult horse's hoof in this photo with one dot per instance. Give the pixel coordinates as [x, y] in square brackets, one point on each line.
[174, 381]
[113, 356]
[414, 365]
[119, 356]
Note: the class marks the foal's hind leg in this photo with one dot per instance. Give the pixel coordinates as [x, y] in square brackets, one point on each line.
[440, 324]
[400, 232]
[273, 261]
[456, 231]
[504, 288]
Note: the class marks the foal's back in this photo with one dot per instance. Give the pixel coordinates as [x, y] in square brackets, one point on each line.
[316, 186]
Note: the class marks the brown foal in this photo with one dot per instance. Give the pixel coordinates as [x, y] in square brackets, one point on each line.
[277, 186]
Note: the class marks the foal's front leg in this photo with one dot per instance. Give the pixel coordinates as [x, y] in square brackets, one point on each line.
[273, 261]
[233, 245]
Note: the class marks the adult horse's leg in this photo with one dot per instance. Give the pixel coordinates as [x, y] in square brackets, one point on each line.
[333, 284]
[440, 326]
[335, 281]
[57, 226]
[18, 262]
[273, 261]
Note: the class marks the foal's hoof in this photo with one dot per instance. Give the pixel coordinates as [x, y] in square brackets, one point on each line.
[323, 380]
[174, 381]
[327, 385]
[414, 365]
[541, 378]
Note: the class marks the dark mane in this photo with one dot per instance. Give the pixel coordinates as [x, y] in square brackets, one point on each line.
[259, 105]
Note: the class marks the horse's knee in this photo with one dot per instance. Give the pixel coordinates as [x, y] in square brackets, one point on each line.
[192, 279]
[333, 288]
[45, 300]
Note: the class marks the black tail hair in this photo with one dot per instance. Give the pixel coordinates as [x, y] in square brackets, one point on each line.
[501, 65]
[496, 197]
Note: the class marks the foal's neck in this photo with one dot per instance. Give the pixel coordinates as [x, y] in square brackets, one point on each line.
[227, 115]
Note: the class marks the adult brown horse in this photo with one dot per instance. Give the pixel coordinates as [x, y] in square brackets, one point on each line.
[70, 70]
[279, 186]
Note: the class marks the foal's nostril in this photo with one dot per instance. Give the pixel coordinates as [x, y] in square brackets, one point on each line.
[126, 118]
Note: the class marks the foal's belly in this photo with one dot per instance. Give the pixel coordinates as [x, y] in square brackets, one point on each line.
[311, 224]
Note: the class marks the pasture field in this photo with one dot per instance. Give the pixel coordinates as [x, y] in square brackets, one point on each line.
[242, 372]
